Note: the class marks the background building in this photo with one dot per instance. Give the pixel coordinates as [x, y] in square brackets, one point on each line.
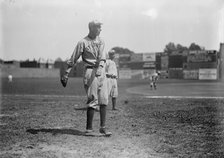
[187, 64]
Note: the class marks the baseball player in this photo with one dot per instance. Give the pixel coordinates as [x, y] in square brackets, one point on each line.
[91, 49]
[153, 79]
[10, 78]
[111, 73]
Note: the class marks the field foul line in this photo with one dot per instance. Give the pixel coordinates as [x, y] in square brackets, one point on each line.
[78, 96]
[43, 95]
[183, 97]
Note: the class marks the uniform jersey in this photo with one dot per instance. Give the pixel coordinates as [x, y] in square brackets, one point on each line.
[111, 73]
[154, 77]
[90, 50]
[93, 56]
[111, 67]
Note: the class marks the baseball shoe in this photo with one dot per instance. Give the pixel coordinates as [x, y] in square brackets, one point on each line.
[88, 131]
[102, 130]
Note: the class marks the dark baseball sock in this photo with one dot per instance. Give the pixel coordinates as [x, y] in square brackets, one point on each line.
[89, 121]
[103, 115]
[114, 103]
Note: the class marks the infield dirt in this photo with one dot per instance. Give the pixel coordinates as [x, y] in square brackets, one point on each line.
[39, 118]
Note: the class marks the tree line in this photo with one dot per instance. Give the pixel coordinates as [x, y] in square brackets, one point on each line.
[169, 48]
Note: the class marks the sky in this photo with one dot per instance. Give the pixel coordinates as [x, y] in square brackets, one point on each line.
[33, 29]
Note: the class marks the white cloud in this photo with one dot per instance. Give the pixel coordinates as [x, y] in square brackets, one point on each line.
[98, 3]
[152, 13]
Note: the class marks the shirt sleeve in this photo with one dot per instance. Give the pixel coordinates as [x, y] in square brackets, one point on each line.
[102, 54]
[115, 69]
[75, 56]
[107, 66]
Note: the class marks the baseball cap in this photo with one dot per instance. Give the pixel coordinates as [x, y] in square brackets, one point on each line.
[95, 23]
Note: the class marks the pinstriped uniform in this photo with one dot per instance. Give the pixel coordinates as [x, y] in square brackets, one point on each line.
[93, 55]
[111, 73]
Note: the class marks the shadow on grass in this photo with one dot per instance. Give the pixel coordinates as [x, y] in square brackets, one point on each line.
[63, 131]
[85, 109]
[82, 108]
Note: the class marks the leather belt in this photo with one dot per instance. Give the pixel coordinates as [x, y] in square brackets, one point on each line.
[110, 76]
[89, 67]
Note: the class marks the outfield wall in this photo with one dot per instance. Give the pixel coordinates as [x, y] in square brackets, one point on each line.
[208, 74]
[30, 72]
[175, 73]
[135, 74]
[191, 74]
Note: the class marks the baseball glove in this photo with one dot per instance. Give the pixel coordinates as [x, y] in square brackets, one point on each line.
[64, 80]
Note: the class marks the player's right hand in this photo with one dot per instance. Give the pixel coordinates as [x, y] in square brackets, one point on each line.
[99, 71]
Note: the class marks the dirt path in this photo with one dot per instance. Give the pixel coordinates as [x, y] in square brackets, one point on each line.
[34, 126]
[40, 127]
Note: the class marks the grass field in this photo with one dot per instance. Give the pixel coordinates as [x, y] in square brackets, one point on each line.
[39, 118]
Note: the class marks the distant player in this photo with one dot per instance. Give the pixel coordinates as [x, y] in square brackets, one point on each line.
[111, 73]
[10, 78]
[153, 79]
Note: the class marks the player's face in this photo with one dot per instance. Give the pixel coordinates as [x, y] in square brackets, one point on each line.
[96, 30]
[99, 30]
[112, 56]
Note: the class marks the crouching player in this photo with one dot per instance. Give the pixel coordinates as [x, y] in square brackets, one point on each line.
[153, 79]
